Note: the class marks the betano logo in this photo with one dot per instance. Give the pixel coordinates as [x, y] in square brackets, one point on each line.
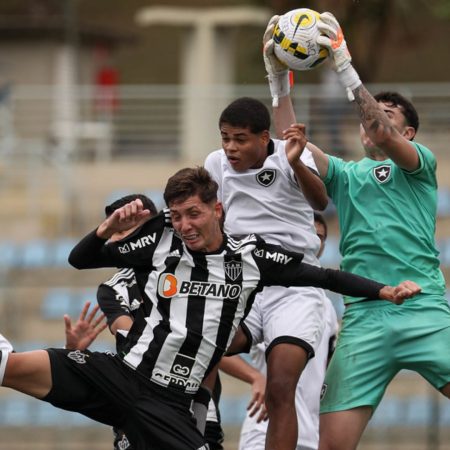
[169, 285]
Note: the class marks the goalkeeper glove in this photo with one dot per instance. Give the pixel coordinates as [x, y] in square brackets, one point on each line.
[277, 72]
[333, 39]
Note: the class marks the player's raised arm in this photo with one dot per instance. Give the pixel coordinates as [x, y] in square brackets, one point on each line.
[312, 186]
[91, 251]
[129, 216]
[283, 109]
[384, 126]
[277, 72]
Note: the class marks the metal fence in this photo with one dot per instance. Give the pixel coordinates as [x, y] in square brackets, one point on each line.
[148, 121]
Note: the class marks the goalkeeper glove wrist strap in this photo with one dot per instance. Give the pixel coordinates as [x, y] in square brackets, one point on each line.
[349, 78]
[279, 86]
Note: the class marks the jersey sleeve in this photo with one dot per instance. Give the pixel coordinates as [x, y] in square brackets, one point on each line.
[335, 167]
[280, 267]
[112, 304]
[213, 166]
[90, 253]
[308, 160]
[306, 157]
[427, 165]
[134, 251]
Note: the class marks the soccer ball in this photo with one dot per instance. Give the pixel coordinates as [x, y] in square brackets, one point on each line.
[295, 40]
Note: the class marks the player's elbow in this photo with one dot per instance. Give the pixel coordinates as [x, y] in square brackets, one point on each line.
[321, 204]
[75, 261]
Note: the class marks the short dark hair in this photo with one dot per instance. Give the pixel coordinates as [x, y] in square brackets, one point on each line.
[189, 182]
[246, 112]
[148, 204]
[319, 218]
[396, 99]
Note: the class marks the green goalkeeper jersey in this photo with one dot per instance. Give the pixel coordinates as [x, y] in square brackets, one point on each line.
[387, 220]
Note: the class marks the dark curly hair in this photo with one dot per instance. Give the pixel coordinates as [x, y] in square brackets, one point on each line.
[189, 182]
[148, 204]
[246, 112]
[407, 108]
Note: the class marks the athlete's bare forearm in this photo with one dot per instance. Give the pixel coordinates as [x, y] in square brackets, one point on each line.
[373, 118]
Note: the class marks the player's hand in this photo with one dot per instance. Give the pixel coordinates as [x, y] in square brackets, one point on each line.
[332, 38]
[257, 405]
[295, 142]
[125, 218]
[86, 329]
[277, 72]
[398, 294]
[274, 66]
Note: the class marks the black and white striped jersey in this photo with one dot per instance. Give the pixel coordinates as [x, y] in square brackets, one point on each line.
[119, 295]
[193, 302]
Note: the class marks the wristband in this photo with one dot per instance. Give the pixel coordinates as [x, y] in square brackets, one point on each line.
[279, 86]
[349, 78]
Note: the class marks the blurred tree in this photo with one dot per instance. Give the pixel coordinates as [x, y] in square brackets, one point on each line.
[390, 40]
[372, 26]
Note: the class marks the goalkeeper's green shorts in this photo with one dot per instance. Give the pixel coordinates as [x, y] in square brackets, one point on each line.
[377, 340]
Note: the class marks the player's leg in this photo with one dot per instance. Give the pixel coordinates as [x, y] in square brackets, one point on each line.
[162, 418]
[360, 370]
[27, 372]
[424, 348]
[214, 435]
[285, 364]
[293, 323]
[342, 430]
[310, 386]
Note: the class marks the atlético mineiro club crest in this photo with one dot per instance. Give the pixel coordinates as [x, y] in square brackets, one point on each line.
[382, 173]
[233, 269]
[266, 177]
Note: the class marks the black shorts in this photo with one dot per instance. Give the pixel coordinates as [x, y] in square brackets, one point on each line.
[214, 435]
[101, 387]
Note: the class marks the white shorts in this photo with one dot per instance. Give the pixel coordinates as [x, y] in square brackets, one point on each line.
[287, 315]
[307, 402]
[255, 439]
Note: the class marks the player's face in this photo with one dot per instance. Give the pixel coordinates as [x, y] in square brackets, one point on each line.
[198, 223]
[397, 120]
[244, 149]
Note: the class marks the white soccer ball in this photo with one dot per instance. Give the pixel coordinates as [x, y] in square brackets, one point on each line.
[295, 40]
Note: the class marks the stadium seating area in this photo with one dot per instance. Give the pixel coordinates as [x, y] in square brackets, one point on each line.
[411, 412]
[45, 253]
[40, 287]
